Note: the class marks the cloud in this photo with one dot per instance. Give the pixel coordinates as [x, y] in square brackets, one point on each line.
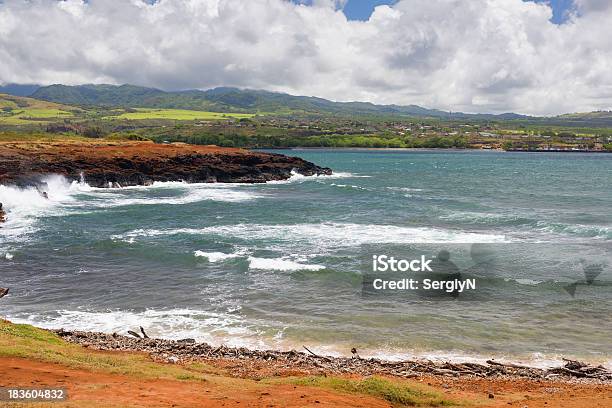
[476, 56]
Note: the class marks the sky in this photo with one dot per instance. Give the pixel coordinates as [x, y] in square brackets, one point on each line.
[362, 9]
[531, 57]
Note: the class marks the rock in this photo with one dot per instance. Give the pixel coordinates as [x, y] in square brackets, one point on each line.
[140, 163]
[2, 214]
[173, 351]
[3, 292]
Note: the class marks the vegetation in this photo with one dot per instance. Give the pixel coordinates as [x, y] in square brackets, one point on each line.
[18, 110]
[177, 114]
[27, 342]
[258, 119]
[270, 141]
[391, 391]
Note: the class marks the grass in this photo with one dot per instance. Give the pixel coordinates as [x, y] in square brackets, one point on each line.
[395, 392]
[34, 115]
[15, 110]
[178, 114]
[25, 341]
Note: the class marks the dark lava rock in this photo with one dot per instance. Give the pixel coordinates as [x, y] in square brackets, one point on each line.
[105, 164]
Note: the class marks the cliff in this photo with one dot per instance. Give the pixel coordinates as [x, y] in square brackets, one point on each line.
[103, 164]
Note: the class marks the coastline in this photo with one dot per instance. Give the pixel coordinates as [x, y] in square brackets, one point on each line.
[186, 374]
[112, 164]
[190, 350]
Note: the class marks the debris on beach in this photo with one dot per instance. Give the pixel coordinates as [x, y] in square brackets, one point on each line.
[185, 351]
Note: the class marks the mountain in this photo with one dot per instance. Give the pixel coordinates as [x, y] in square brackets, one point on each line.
[18, 90]
[227, 99]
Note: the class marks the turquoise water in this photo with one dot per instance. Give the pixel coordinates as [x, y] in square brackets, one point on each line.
[280, 265]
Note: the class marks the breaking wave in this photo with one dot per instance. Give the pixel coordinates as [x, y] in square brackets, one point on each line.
[298, 178]
[206, 326]
[326, 234]
[214, 257]
[24, 205]
[281, 264]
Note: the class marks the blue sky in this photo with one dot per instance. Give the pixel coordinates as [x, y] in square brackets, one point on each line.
[362, 9]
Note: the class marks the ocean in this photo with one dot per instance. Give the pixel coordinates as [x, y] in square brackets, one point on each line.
[282, 264]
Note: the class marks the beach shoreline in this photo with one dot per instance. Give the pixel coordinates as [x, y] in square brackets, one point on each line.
[91, 373]
[305, 359]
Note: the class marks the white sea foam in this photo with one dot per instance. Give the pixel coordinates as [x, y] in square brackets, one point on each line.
[327, 234]
[530, 282]
[8, 256]
[216, 256]
[281, 264]
[233, 330]
[298, 178]
[24, 205]
[348, 186]
[175, 324]
[405, 189]
[595, 231]
[197, 194]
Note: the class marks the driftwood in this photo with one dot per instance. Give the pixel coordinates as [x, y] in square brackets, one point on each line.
[316, 355]
[177, 351]
[144, 335]
[493, 362]
[133, 333]
[3, 292]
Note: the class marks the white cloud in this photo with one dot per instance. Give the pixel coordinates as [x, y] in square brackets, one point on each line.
[476, 56]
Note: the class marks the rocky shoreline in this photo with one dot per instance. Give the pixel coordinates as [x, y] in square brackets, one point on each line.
[112, 164]
[188, 350]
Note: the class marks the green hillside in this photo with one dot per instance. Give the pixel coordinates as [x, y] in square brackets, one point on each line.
[16, 110]
[231, 100]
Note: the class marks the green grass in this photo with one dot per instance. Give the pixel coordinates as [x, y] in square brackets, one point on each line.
[25, 341]
[33, 115]
[178, 114]
[28, 342]
[395, 392]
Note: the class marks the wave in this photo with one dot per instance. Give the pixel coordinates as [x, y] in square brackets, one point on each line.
[587, 231]
[214, 257]
[234, 331]
[269, 264]
[196, 194]
[326, 234]
[205, 326]
[298, 178]
[544, 226]
[486, 218]
[59, 196]
[349, 186]
[281, 264]
[405, 189]
[528, 282]
[24, 205]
